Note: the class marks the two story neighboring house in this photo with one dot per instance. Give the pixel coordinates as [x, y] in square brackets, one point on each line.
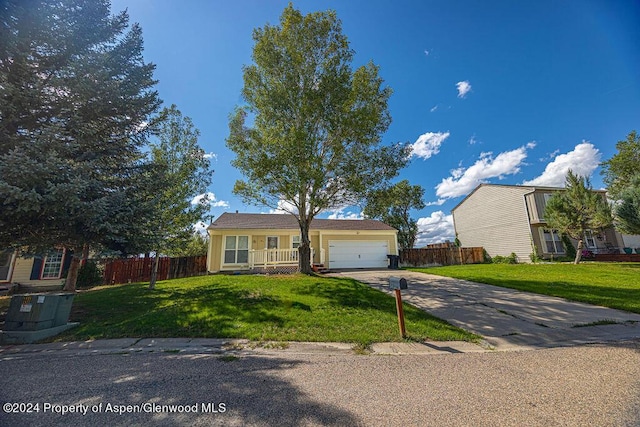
[510, 218]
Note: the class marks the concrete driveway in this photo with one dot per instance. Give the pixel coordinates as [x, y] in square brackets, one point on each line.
[508, 319]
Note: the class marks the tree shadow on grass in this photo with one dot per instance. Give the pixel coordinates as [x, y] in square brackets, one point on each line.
[215, 310]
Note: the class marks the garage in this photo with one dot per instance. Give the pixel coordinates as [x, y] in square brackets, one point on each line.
[358, 254]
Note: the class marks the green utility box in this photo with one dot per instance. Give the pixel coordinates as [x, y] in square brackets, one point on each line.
[34, 312]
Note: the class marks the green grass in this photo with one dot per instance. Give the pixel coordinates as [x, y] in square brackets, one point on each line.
[276, 308]
[614, 285]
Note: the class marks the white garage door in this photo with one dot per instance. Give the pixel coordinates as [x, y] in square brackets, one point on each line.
[357, 254]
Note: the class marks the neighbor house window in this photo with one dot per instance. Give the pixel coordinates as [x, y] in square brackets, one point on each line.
[52, 265]
[589, 240]
[236, 250]
[552, 241]
[295, 242]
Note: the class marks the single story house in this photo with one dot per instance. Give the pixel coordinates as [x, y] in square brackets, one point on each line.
[42, 271]
[269, 242]
[510, 218]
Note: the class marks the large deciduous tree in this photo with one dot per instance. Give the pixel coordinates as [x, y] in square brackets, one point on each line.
[392, 206]
[577, 209]
[619, 171]
[308, 137]
[75, 95]
[183, 173]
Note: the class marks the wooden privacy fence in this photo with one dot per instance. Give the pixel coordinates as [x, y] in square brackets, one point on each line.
[129, 270]
[441, 256]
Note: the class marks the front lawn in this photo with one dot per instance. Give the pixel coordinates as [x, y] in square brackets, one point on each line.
[276, 308]
[614, 285]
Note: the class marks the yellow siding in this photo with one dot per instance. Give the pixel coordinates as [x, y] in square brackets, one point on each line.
[22, 272]
[258, 240]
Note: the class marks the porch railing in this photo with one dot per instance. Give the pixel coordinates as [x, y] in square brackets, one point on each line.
[272, 257]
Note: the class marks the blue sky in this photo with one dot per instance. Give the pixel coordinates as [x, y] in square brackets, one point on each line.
[507, 92]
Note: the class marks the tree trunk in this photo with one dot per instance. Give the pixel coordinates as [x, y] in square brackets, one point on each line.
[578, 252]
[154, 271]
[304, 250]
[72, 275]
[85, 254]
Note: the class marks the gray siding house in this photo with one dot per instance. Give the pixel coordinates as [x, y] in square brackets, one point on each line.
[510, 218]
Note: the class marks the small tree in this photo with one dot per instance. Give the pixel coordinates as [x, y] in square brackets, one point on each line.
[577, 209]
[183, 172]
[627, 212]
[392, 205]
[197, 245]
[316, 125]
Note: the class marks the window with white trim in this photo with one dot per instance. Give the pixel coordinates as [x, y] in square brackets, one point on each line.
[236, 249]
[552, 241]
[589, 239]
[295, 241]
[52, 265]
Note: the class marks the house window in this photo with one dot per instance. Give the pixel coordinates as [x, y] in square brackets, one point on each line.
[552, 241]
[236, 250]
[589, 240]
[295, 242]
[52, 265]
[546, 197]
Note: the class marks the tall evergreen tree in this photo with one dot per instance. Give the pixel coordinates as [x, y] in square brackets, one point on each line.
[75, 95]
[577, 209]
[313, 141]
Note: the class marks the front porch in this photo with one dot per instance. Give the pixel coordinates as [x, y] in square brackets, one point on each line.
[279, 260]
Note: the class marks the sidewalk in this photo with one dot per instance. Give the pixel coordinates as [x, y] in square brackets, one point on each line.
[508, 319]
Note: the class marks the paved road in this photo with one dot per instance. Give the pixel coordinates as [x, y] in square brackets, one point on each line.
[508, 319]
[596, 385]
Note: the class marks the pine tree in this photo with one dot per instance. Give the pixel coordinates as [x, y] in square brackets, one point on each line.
[75, 98]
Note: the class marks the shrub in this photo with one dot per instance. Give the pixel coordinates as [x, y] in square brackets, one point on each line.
[89, 275]
[511, 259]
[587, 254]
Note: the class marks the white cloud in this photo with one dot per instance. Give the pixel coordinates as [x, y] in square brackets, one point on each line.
[462, 180]
[341, 214]
[434, 108]
[463, 88]
[472, 140]
[428, 144]
[435, 228]
[213, 156]
[426, 52]
[210, 199]
[583, 160]
[284, 207]
[201, 228]
[220, 204]
[438, 202]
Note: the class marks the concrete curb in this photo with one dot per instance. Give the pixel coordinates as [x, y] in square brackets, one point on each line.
[235, 347]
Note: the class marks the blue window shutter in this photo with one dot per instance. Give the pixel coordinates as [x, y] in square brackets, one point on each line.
[36, 268]
[66, 262]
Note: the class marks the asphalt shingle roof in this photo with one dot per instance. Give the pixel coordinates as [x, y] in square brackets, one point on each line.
[286, 221]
